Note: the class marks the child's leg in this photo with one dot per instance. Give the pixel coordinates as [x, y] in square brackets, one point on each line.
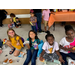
[16, 52]
[32, 27]
[35, 29]
[28, 58]
[48, 28]
[34, 55]
[8, 43]
[45, 23]
[71, 55]
[64, 56]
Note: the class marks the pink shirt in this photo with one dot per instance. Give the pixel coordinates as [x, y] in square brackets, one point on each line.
[45, 13]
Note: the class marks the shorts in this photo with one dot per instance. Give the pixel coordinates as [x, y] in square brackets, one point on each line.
[50, 57]
[17, 49]
[45, 23]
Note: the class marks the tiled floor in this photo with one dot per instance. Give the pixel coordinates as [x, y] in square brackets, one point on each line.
[58, 33]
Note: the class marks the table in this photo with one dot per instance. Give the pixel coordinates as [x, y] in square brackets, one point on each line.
[61, 17]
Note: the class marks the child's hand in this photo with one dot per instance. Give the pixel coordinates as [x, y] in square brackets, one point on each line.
[37, 47]
[41, 58]
[61, 59]
[18, 44]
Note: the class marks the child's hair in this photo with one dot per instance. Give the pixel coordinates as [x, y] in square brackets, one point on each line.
[33, 13]
[36, 37]
[49, 35]
[68, 27]
[17, 18]
[12, 15]
[13, 31]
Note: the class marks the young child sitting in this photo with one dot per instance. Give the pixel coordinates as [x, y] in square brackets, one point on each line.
[50, 50]
[67, 44]
[12, 20]
[18, 22]
[33, 42]
[15, 42]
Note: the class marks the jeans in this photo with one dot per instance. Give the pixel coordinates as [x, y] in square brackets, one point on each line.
[34, 28]
[39, 17]
[71, 55]
[31, 56]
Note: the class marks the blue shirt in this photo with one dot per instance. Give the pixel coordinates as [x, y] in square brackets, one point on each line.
[37, 41]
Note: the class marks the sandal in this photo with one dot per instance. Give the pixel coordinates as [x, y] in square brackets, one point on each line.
[12, 51]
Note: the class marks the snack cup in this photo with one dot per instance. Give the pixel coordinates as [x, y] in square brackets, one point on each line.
[5, 61]
[10, 60]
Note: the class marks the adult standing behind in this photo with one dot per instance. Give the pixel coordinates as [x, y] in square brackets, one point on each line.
[38, 13]
[3, 16]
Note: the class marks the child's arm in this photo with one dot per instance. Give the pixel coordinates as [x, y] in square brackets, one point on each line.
[42, 19]
[66, 49]
[60, 57]
[18, 43]
[41, 56]
[28, 46]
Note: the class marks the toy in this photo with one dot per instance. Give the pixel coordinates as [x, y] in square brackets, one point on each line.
[35, 45]
[6, 55]
[31, 23]
[21, 54]
[4, 41]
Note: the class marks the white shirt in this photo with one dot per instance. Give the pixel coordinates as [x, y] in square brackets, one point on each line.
[50, 49]
[64, 43]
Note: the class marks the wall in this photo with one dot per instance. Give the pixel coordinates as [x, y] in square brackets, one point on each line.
[18, 11]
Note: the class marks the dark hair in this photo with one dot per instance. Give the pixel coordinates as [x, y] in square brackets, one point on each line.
[68, 27]
[36, 37]
[12, 15]
[49, 35]
[33, 13]
[17, 18]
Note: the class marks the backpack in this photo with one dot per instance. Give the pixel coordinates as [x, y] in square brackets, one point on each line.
[1, 43]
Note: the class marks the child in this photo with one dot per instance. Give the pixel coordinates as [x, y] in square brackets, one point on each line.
[33, 20]
[45, 15]
[12, 20]
[50, 49]
[67, 43]
[32, 48]
[14, 42]
[18, 22]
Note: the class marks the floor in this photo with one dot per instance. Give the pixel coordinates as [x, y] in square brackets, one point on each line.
[23, 31]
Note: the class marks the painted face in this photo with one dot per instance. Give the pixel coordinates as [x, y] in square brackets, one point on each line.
[11, 33]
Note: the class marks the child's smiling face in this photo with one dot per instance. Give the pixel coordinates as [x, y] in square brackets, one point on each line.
[11, 33]
[32, 15]
[50, 40]
[32, 35]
